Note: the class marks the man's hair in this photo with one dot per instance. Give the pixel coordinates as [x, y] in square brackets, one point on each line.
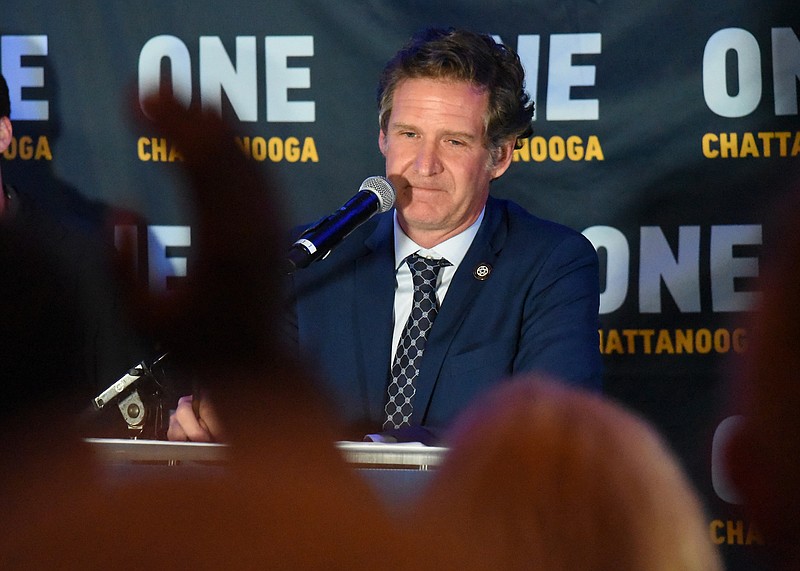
[5, 102]
[461, 55]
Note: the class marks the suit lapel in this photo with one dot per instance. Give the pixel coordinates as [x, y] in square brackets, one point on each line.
[374, 307]
[463, 290]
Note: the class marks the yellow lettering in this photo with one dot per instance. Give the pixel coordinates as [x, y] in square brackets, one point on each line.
[672, 341]
[523, 153]
[174, 154]
[703, 341]
[722, 341]
[43, 150]
[783, 142]
[556, 148]
[714, 528]
[647, 337]
[574, 148]
[292, 150]
[244, 145]
[684, 340]
[594, 150]
[754, 536]
[708, 152]
[25, 148]
[614, 343]
[735, 531]
[260, 149]
[539, 149]
[729, 145]
[275, 149]
[141, 146]
[630, 336]
[739, 340]
[309, 151]
[159, 149]
[766, 142]
[664, 343]
[763, 144]
[748, 148]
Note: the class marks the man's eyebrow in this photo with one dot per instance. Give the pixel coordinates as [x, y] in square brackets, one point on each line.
[457, 134]
[402, 127]
[461, 135]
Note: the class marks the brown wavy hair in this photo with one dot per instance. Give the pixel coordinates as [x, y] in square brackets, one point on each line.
[461, 55]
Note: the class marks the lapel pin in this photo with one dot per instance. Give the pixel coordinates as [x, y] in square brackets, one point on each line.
[482, 271]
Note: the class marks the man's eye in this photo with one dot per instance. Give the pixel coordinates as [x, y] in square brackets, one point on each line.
[455, 142]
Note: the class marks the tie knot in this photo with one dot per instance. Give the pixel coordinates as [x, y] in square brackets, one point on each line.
[425, 270]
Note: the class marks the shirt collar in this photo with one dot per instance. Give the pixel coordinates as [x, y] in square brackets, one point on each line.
[453, 249]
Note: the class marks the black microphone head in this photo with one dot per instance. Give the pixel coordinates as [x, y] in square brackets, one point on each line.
[383, 189]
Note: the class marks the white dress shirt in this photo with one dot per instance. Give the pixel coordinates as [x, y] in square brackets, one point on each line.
[453, 250]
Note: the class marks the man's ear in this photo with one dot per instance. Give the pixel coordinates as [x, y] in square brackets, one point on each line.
[6, 133]
[382, 142]
[502, 155]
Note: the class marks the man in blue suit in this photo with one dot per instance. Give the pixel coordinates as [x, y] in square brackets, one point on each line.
[514, 293]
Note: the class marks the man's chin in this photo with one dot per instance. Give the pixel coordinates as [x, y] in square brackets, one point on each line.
[419, 219]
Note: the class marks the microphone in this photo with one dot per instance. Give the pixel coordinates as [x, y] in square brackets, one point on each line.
[375, 195]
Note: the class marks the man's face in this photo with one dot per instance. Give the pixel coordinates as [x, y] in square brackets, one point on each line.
[436, 157]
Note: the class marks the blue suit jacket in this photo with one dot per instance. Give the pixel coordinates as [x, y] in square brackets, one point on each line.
[537, 310]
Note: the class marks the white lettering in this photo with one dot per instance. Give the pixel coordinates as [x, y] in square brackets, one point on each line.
[281, 78]
[618, 257]
[161, 263]
[13, 48]
[238, 81]
[563, 75]
[528, 50]
[715, 78]
[180, 69]
[720, 479]
[681, 275]
[218, 74]
[785, 70]
[725, 267]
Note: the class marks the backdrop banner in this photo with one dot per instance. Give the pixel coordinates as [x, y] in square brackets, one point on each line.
[667, 133]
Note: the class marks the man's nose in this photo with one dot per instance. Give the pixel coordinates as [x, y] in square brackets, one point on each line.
[428, 161]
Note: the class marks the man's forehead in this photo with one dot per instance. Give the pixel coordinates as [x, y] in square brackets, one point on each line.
[456, 98]
[443, 82]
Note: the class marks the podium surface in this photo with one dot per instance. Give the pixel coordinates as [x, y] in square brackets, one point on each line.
[406, 455]
[398, 472]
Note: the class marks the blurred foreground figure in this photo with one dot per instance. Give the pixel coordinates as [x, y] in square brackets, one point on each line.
[539, 477]
[542, 476]
[764, 454]
[287, 498]
[56, 258]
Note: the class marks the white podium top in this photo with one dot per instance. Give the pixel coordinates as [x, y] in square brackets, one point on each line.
[410, 454]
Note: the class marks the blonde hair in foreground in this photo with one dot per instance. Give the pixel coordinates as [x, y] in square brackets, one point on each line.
[541, 476]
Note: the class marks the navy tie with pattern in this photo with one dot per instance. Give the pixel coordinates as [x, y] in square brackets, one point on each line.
[424, 272]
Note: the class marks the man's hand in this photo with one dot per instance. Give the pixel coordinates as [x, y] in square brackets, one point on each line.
[223, 316]
[195, 420]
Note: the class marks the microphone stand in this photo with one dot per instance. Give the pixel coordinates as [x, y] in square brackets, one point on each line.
[141, 405]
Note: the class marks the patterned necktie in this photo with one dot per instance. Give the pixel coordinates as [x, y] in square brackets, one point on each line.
[424, 272]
